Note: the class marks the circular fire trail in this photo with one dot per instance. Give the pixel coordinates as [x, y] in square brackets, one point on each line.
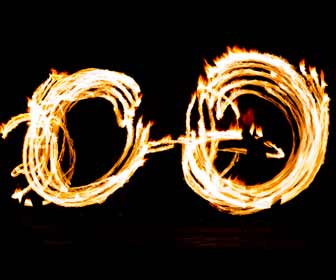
[41, 155]
[301, 98]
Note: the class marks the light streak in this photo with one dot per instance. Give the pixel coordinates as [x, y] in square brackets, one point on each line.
[41, 156]
[301, 98]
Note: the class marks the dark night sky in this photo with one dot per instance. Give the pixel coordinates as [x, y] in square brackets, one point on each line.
[165, 54]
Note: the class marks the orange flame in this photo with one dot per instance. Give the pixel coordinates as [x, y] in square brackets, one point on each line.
[46, 117]
[248, 118]
[57, 74]
[303, 94]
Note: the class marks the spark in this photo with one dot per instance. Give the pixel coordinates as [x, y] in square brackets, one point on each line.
[301, 98]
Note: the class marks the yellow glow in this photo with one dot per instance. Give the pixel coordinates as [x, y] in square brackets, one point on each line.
[41, 157]
[300, 96]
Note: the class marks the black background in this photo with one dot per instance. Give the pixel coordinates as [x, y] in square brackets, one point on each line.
[163, 48]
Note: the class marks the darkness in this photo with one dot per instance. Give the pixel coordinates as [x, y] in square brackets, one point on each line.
[165, 53]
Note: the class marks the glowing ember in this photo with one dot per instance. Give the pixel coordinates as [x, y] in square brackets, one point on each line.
[300, 97]
[46, 121]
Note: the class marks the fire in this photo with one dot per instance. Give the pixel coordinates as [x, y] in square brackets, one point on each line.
[248, 118]
[248, 121]
[18, 194]
[46, 118]
[302, 99]
[300, 96]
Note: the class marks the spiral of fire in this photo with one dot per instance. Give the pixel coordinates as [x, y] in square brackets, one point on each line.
[42, 154]
[302, 99]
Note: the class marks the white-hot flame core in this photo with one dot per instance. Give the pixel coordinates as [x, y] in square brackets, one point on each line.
[46, 118]
[299, 96]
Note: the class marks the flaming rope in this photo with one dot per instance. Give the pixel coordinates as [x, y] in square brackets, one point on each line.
[300, 97]
[46, 118]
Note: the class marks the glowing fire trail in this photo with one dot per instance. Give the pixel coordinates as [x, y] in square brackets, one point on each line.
[301, 98]
[46, 121]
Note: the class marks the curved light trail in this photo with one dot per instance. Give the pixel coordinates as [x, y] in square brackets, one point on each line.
[299, 95]
[42, 154]
[301, 98]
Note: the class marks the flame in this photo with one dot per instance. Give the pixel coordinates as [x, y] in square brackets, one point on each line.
[28, 202]
[55, 74]
[18, 194]
[300, 96]
[302, 99]
[237, 180]
[248, 118]
[47, 108]
[259, 132]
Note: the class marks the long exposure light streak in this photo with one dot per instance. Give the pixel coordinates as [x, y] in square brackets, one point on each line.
[301, 98]
[299, 95]
[41, 155]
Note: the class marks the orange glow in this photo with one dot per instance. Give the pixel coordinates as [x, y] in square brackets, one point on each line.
[41, 156]
[248, 117]
[300, 96]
